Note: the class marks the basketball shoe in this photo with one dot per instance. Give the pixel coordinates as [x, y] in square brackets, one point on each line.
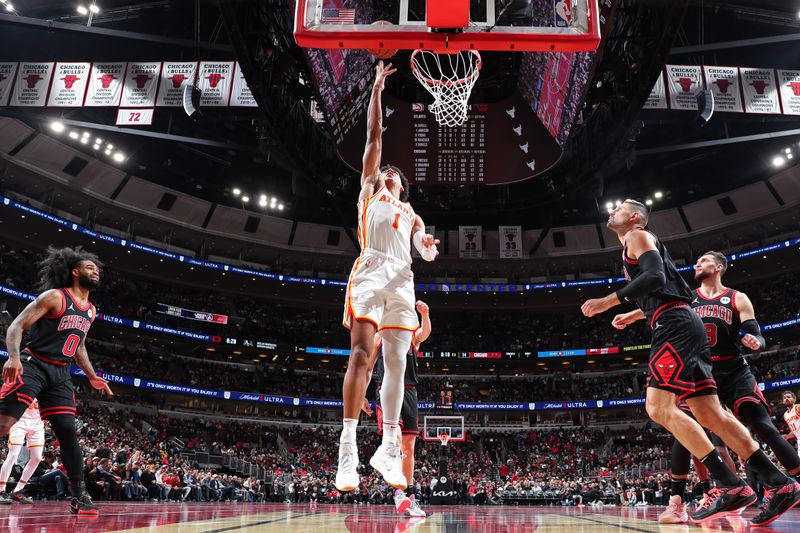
[415, 509]
[725, 501]
[675, 513]
[346, 474]
[778, 500]
[21, 498]
[401, 501]
[83, 506]
[389, 462]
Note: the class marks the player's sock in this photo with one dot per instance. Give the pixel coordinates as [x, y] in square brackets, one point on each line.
[391, 431]
[678, 487]
[349, 426]
[411, 491]
[8, 464]
[719, 471]
[769, 472]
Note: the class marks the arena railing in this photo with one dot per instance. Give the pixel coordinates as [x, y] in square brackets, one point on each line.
[430, 287]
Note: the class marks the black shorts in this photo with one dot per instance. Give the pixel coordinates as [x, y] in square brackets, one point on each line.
[736, 385]
[48, 383]
[680, 362]
[409, 413]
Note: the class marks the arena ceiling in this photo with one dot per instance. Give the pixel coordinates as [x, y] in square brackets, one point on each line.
[615, 151]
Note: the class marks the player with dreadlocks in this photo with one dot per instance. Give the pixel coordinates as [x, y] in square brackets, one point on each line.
[57, 323]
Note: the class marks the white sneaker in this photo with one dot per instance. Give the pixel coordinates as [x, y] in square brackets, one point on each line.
[415, 510]
[346, 474]
[675, 513]
[388, 461]
[401, 502]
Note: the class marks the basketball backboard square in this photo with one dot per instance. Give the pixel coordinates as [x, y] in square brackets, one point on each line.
[530, 26]
[434, 426]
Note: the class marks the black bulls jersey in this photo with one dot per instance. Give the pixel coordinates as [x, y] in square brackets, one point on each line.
[721, 320]
[411, 378]
[674, 290]
[55, 338]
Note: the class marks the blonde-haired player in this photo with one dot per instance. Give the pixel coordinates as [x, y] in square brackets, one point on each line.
[792, 417]
[28, 429]
[380, 297]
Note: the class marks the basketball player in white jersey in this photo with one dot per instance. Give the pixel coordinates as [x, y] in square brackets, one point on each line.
[28, 429]
[380, 298]
[792, 417]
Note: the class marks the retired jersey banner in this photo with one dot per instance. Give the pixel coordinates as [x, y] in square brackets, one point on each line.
[69, 85]
[105, 85]
[788, 80]
[241, 96]
[7, 73]
[174, 77]
[141, 84]
[216, 79]
[510, 238]
[723, 82]
[760, 91]
[658, 95]
[33, 80]
[470, 241]
[684, 83]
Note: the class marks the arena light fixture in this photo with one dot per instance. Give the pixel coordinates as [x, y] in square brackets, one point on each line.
[98, 140]
[57, 126]
[110, 146]
[9, 8]
[778, 161]
[609, 205]
[649, 201]
[96, 146]
[788, 150]
[119, 157]
[262, 202]
[94, 9]
[237, 191]
[658, 195]
[618, 203]
[82, 10]
[85, 140]
[73, 135]
[280, 207]
[245, 199]
[108, 152]
[789, 156]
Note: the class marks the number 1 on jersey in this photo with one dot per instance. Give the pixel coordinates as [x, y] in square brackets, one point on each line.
[396, 223]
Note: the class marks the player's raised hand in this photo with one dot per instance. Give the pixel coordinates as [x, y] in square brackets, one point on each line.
[751, 342]
[422, 307]
[100, 384]
[430, 251]
[12, 371]
[381, 73]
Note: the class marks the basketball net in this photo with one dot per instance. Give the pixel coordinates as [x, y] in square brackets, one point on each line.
[449, 77]
[444, 438]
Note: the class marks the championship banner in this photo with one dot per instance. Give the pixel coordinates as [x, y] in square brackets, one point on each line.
[33, 80]
[69, 85]
[788, 80]
[470, 242]
[684, 83]
[174, 77]
[723, 82]
[215, 82]
[141, 84]
[430, 230]
[200, 316]
[658, 95]
[105, 85]
[760, 91]
[7, 72]
[241, 96]
[510, 238]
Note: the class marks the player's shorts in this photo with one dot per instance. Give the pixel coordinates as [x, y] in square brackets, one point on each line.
[30, 432]
[409, 413]
[50, 384]
[680, 362]
[736, 385]
[381, 290]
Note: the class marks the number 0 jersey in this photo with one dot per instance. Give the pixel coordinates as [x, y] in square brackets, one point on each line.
[55, 338]
[721, 320]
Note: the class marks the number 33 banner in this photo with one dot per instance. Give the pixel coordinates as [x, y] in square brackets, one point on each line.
[510, 238]
[470, 241]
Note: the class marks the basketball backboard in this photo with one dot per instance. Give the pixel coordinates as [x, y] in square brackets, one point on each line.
[501, 25]
[435, 427]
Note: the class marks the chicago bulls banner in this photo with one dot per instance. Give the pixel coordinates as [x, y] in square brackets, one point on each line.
[141, 84]
[431, 230]
[684, 82]
[723, 82]
[174, 77]
[789, 81]
[33, 80]
[69, 85]
[658, 95]
[470, 242]
[760, 91]
[7, 72]
[105, 84]
[510, 238]
[241, 96]
[215, 82]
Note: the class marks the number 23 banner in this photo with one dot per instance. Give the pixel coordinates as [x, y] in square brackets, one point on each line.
[510, 238]
[470, 241]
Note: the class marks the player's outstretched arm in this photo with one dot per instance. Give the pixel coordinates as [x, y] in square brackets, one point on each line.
[371, 163]
[747, 316]
[425, 243]
[422, 334]
[82, 360]
[47, 303]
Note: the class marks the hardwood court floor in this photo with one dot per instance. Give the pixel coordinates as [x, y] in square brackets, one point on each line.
[53, 517]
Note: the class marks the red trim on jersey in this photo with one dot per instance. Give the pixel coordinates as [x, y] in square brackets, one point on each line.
[63, 306]
[666, 307]
[24, 398]
[707, 386]
[46, 416]
[57, 410]
[715, 358]
[409, 432]
[8, 388]
[733, 304]
[79, 306]
[717, 297]
[45, 359]
[625, 258]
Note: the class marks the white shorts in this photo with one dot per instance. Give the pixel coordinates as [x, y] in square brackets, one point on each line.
[381, 291]
[23, 430]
